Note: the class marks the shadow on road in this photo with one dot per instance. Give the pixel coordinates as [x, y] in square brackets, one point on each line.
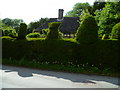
[80, 78]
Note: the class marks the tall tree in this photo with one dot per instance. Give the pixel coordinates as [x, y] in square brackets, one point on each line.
[77, 10]
[12, 22]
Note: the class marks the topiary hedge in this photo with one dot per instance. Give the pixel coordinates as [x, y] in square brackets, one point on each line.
[115, 34]
[53, 32]
[103, 53]
[33, 35]
[44, 31]
[88, 31]
[22, 31]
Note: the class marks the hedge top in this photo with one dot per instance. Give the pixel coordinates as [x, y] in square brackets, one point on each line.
[88, 31]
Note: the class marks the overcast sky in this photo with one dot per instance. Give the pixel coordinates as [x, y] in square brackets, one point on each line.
[31, 10]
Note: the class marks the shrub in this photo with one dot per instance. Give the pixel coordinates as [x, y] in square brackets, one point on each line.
[53, 32]
[87, 31]
[63, 52]
[115, 34]
[44, 31]
[11, 33]
[22, 31]
[33, 35]
[8, 31]
[7, 38]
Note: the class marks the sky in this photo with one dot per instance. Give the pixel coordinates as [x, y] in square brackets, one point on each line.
[33, 10]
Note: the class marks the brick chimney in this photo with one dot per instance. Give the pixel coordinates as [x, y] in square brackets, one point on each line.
[60, 14]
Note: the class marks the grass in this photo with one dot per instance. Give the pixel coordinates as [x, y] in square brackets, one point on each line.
[84, 69]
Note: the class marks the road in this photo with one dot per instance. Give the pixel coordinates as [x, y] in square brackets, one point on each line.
[18, 77]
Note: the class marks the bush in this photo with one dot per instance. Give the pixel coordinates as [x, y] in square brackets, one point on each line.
[7, 38]
[115, 34]
[22, 31]
[44, 31]
[53, 32]
[103, 53]
[11, 33]
[88, 31]
[33, 35]
[8, 31]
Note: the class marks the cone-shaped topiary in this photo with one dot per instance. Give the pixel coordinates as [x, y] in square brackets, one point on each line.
[22, 31]
[53, 31]
[115, 34]
[88, 31]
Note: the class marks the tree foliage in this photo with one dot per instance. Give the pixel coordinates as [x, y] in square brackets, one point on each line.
[22, 31]
[98, 5]
[77, 10]
[88, 31]
[115, 34]
[108, 17]
[36, 24]
[8, 30]
[12, 22]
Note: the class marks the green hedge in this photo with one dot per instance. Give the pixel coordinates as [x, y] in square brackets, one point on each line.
[53, 31]
[103, 53]
[33, 35]
[22, 31]
[88, 31]
[115, 34]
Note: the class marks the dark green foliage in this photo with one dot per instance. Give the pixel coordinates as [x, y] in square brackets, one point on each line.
[1, 33]
[22, 31]
[108, 17]
[33, 35]
[90, 10]
[45, 31]
[53, 32]
[14, 23]
[88, 31]
[10, 33]
[36, 24]
[115, 34]
[63, 52]
[98, 5]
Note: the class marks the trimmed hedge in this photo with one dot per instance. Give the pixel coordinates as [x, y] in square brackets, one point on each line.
[22, 31]
[88, 31]
[33, 35]
[53, 31]
[115, 34]
[44, 31]
[103, 53]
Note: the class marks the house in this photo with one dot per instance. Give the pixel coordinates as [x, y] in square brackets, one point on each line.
[69, 25]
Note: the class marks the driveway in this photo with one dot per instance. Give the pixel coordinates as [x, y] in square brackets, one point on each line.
[18, 77]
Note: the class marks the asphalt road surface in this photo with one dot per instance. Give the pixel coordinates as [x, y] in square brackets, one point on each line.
[17, 77]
